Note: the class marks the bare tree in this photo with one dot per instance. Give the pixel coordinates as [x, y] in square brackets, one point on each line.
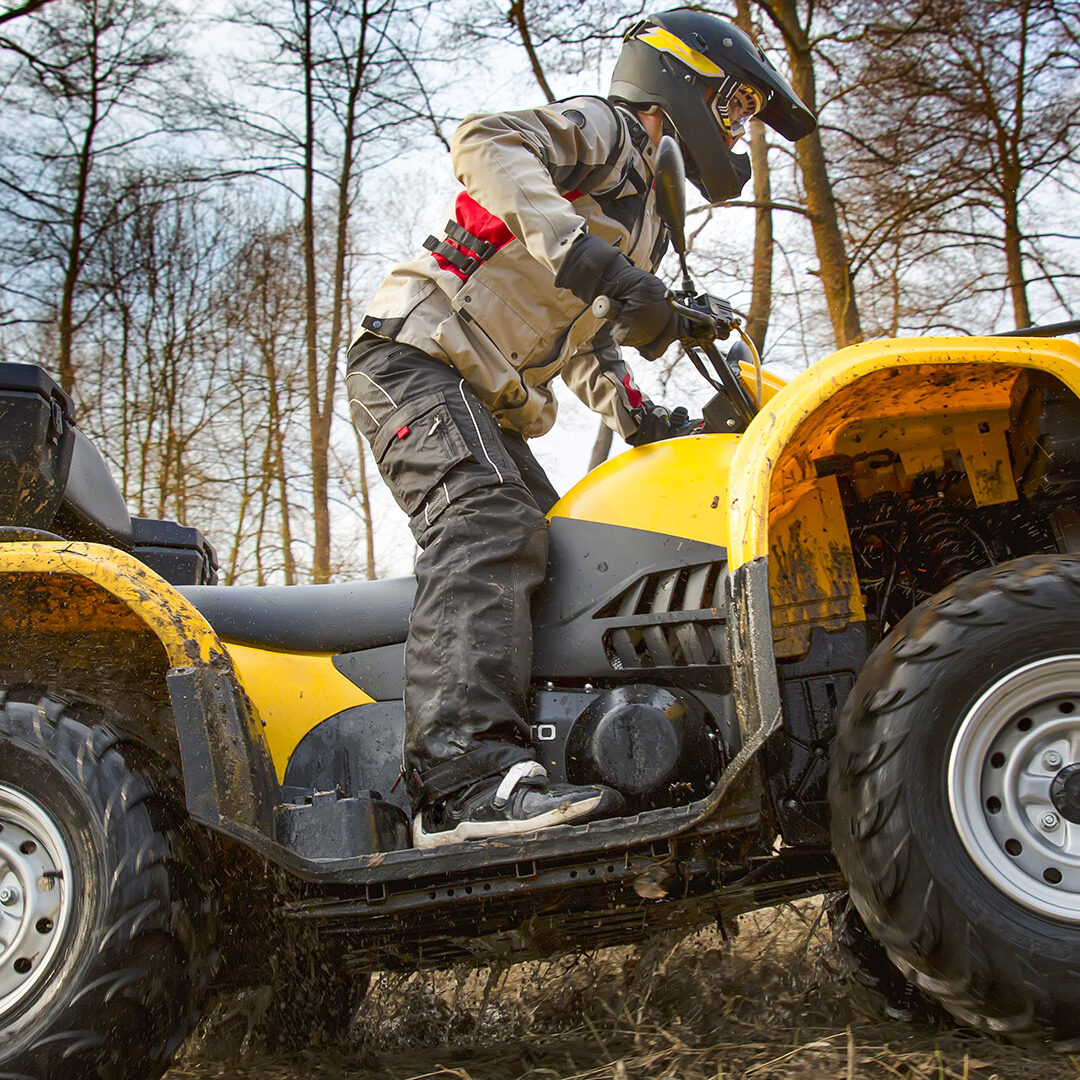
[22, 9]
[83, 94]
[151, 386]
[265, 313]
[970, 121]
[347, 73]
[793, 22]
[566, 37]
[757, 320]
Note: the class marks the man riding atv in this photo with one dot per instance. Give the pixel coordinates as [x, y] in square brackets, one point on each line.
[452, 373]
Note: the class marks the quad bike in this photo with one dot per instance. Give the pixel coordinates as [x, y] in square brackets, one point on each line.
[830, 642]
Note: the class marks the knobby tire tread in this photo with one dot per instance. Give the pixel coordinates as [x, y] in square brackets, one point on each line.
[926, 933]
[155, 953]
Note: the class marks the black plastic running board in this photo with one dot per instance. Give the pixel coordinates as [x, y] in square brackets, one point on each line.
[593, 838]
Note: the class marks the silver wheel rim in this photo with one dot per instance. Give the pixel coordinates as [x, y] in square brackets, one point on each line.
[35, 895]
[1009, 748]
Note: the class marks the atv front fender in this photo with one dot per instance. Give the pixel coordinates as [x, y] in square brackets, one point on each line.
[63, 607]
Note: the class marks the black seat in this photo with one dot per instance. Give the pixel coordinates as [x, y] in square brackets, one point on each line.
[308, 618]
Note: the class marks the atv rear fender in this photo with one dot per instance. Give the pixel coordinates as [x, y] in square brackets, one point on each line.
[77, 617]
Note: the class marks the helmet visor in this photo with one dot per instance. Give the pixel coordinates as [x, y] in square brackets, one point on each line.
[734, 105]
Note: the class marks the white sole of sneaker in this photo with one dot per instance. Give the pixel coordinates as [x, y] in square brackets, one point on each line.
[488, 830]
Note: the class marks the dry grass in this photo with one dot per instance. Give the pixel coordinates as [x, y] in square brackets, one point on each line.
[772, 1004]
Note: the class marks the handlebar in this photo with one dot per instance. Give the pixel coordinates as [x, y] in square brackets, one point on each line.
[603, 307]
[708, 318]
[717, 319]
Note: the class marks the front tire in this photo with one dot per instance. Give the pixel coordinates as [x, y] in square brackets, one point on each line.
[106, 930]
[955, 792]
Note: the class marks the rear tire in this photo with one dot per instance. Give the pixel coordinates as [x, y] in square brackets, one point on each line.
[943, 792]
[106, 935]
[868, 964]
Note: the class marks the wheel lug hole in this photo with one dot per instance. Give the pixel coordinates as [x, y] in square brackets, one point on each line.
[43, 926]
[1014, 847]
[993, 805]
[22, 965]
[997, 759]
[1052, 876]
[1024, 723]
[28, 847]
[1067, 707]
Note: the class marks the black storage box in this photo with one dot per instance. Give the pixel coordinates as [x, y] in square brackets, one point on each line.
[53, 477]
[36, 438]
[179, 553]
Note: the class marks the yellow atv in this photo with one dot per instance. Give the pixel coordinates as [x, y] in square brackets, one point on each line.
[831, 642]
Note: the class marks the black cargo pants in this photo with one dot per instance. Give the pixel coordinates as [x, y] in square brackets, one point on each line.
[476, 499]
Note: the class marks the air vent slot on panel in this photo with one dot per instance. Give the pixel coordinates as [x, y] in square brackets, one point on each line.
[668, 619]
[688, 588]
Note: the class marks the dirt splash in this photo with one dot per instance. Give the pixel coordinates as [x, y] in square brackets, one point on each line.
[773, 1002]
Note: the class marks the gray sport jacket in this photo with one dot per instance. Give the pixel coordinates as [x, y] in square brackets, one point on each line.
[482, 297]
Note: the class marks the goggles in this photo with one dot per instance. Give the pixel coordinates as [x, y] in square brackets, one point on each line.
[734, 105]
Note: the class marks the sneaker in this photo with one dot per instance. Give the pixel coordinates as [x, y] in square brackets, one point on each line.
[521, 802]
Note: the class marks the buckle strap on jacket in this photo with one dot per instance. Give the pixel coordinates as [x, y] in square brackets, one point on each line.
[479, 251]
[482, 249]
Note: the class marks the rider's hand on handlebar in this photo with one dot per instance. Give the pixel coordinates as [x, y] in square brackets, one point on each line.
[658, 423]
[645, 319]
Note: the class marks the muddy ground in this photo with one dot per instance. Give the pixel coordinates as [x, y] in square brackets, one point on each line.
[774, 1003]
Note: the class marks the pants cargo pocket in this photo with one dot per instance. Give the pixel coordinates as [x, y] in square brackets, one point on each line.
[416, 447]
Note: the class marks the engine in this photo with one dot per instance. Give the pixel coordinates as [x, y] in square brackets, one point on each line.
[657, 746]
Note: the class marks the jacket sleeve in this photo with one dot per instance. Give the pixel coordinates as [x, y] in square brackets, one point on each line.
[602, 381]
[517, 165]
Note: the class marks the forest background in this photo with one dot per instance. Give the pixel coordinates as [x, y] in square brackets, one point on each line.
[197, 200]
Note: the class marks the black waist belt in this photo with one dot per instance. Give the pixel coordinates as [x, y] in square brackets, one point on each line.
[479, 251]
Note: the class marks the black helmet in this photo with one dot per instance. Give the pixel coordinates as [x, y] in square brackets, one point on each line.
[708, 78]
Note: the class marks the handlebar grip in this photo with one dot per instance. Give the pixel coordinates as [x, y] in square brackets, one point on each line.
[603, 307]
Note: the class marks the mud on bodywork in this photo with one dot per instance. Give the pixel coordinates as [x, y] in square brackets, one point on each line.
[871, 420]
[76, 618]
[876, 479]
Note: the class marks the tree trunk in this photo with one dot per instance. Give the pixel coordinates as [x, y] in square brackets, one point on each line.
[65, 361]
[341, 248]
[1014, 260]
[319, 418]
[835, 270]
[517, 18]
[757, 321]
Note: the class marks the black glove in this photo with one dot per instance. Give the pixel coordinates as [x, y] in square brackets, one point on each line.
[658, 424]
[645, 321]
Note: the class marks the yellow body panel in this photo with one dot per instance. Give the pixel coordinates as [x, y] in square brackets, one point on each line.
[676, 487]
[892, 379]
[184, 634]
[812, 576]
[292, 693]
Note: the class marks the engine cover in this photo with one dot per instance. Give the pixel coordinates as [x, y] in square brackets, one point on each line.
[650, 743]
